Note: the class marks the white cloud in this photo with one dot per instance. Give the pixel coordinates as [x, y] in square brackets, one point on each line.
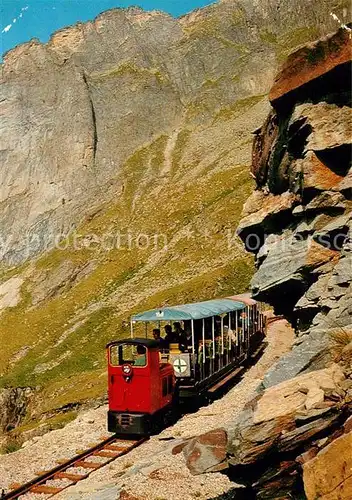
[7, 28]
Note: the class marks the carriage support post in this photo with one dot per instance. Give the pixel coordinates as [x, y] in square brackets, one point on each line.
[203, 339]
[192, 327]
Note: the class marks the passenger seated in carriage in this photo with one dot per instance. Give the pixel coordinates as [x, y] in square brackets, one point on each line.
[162, 343]
[178, 332]
[141, 358]
[170, 337]
[186, 339]
[229, 334]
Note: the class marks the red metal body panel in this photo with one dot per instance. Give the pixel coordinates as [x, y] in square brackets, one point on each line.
[143, 391]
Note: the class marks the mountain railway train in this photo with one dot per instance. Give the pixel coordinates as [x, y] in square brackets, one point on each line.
[149, 380]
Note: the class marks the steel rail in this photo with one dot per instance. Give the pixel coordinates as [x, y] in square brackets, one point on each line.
[75, 462]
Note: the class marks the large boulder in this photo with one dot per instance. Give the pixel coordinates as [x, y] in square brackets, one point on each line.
[284, 427]
[207, 452]
[282, 273]
[262, 214]
[309, 63]
[327, 126]
[280, 431]
[328, 476]
[315, 173]
[312, 351]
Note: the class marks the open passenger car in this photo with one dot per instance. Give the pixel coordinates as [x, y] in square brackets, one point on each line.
[222, 335]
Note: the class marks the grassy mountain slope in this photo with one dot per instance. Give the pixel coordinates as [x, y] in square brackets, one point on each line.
[76, 298]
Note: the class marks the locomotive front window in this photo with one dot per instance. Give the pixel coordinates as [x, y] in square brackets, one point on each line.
[122, 354]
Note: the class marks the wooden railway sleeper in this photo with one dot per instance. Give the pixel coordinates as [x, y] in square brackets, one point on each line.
[38, 485]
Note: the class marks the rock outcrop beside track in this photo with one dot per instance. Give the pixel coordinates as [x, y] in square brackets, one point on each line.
[290, 427]
[298, 222]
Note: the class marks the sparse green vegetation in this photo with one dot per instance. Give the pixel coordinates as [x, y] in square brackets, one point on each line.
[267, 36]
[210, 84]
[238, 16]
[288, 42]
[211, 27]
[12, 445]
[238, 106]
[196, 108]
[17, 436]
[179, 148]
[297, 37]
[207, 26]
[130, 69]
[7, 273]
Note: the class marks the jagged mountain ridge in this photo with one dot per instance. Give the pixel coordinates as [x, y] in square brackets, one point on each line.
[195, 88]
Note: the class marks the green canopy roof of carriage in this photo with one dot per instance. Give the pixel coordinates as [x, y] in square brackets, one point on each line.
[197, 310]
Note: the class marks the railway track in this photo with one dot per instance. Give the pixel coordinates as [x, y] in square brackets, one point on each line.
[70, 472]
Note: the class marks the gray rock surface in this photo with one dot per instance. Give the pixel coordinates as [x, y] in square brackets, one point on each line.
[77, 108]
[304, 260]
[283, 427]
[13, 406]
[313, 350]
[329, 124]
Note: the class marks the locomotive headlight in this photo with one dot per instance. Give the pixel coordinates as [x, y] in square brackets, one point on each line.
[127, 370]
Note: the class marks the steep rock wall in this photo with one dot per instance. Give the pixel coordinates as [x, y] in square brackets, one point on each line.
[13, 406]
[299, 220]
[77, 108]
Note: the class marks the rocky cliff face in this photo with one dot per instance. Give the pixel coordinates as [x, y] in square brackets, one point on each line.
[14, 404]
[77, 109]
[298, 222]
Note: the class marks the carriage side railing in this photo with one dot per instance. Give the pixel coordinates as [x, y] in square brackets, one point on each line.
[228, 351]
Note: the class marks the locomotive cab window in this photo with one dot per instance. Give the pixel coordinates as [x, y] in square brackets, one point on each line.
[122, 354]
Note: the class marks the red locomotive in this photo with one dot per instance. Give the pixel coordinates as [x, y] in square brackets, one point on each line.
[147, 383]
[141, 388]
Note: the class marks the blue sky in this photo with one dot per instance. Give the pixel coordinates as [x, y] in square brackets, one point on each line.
[21, 20]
